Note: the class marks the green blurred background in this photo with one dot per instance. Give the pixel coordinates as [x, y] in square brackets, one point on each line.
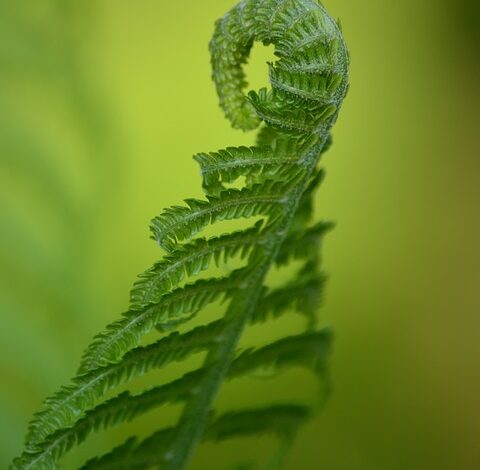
[102, 104]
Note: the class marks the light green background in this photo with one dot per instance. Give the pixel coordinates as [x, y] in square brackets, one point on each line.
[102, 105]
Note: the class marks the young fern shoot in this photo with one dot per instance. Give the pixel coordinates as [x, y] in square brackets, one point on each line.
[309, 81]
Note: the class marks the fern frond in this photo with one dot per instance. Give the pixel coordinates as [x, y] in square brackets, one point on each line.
[310, 350]
[122, 408]
[314, 87]
[306, 205]
[304, 294]
[181, 223]
[280, 161]
[189, 260]
[308, 84]
[173, 308]
[280, 420]
[123, 456]
[148, 453]
[62, 409]
[275, 108]
[303, 243]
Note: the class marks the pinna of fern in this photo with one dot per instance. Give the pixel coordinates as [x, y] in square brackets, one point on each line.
[309, 81]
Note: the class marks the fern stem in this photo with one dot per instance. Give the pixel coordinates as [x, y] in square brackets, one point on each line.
[196, 412]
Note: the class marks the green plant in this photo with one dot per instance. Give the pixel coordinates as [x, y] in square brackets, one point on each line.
[309, 82]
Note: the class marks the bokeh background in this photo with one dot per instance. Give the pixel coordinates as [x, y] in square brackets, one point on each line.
[102, 104]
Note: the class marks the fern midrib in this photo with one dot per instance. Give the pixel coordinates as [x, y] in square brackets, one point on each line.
[143, 317]
[309, 68]
[283, 123]
[297, 19]
[207, 251]
[254, 198]
[290, 161]
[195, 415]
[311, 40]
[316, 97]
[101, 375]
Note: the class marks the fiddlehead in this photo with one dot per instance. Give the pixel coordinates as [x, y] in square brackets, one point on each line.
[308, 84]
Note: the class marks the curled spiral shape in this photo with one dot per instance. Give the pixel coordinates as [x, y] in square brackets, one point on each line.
[308, 81]
[308, 84]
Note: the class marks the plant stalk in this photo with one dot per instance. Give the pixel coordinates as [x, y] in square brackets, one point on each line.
[197, 410]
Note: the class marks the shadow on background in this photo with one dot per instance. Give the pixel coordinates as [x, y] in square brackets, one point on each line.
[101, 106]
